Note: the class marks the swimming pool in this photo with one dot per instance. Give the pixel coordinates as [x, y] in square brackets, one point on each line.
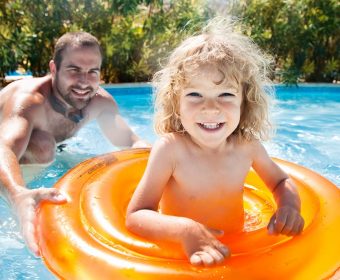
[308, 132]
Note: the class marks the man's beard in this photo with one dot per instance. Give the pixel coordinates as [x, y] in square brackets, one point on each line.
[67, 96]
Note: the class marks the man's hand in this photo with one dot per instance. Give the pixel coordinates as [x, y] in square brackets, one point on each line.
[25, 204]
[286, 220]
[202, 247]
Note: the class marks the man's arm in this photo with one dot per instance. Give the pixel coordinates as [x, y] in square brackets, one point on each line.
[16, 127]
[112, 123]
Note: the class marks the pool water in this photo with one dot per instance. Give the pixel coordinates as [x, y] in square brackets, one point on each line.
[307, 122]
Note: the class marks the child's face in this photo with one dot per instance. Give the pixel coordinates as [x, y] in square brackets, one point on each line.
[210, 106]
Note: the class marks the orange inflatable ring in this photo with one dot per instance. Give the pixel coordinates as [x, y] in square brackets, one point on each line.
[86, 238]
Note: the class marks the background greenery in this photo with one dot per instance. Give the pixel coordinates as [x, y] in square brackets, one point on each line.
[137, 35]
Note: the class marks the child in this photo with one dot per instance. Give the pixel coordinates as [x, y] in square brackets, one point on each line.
[211, 110]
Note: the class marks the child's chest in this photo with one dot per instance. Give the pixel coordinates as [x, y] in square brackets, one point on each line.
[217, 175]
[208, 190]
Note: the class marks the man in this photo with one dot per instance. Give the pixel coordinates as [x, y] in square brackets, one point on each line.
[37, 113]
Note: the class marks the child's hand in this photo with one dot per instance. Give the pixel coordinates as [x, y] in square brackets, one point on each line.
[202, 247]
[287, 220]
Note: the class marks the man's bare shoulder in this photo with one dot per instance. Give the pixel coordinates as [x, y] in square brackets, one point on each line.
[103, 95]
[28, 85]
[101, 104]
[103, 92]
[22, 97]
[33, 89]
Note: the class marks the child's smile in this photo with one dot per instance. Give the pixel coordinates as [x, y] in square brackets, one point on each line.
[211, 126]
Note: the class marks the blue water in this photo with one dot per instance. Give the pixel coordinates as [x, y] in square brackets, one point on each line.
[307, 122]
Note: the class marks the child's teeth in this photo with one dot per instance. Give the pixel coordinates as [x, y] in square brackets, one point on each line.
[210, 125]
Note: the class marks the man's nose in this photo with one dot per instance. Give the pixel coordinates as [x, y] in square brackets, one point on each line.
[83, 78]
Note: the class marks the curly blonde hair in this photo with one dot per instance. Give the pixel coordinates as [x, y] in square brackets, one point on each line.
[238, 57]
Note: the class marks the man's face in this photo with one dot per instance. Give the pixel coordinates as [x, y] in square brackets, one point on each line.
[77, 79]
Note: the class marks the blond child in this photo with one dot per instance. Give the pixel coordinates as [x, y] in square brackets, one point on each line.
[211, 113]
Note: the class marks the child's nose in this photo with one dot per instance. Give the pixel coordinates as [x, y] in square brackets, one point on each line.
[210, 106]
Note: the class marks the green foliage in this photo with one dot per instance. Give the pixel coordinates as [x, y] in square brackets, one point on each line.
[135, 35]
[300, 33]
[138, 35]
[11, 35]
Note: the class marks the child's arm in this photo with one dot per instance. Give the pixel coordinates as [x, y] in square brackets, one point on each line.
[287, 219]
[199, 243]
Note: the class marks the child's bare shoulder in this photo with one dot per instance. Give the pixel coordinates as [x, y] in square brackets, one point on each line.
[167, 149]
[171, 140]
[171, 143]
[255, 149]
[247, 146]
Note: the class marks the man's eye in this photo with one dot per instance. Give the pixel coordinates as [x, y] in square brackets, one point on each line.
[194, 94]
[73, 70]
[94, 73]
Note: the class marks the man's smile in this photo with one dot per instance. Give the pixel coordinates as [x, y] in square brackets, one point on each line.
[80, 92]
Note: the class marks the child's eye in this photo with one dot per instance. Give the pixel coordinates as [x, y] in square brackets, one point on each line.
[226, 94]
[194, 94]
